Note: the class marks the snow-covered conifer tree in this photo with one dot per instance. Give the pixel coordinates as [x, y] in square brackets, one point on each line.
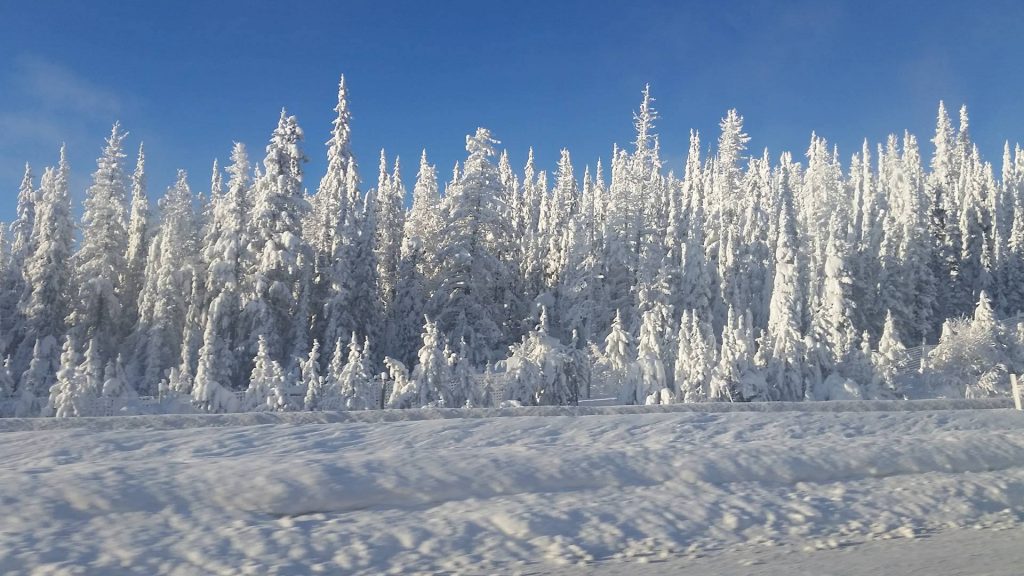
[312, 380]
[280, 269]
[99, 263]
[472, 290]
[428, 385]
[695, 358]
[44, 304]
[832, 323]
[616, 367]
[390, 221]
[171, 268]
[138, 233]
[655, 384]
[783, 345]
[541, 370]
[356, 381]
[890, 358]
[66, 394]
[12, 261]
[266, 376]
[735, 378]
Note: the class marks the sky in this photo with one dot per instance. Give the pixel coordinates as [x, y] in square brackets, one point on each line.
[189, 78]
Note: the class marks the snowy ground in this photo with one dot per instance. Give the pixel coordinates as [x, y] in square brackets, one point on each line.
[656, 491]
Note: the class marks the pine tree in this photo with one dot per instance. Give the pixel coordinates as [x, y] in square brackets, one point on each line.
[66, 395]
[464, 389]
[891, 357]
[832, 323]
[428, 385]
[216, 373]
[355, 381]
[224, 254]
[99, 263]
[138, 234]
[616, 366]
[312, 381]
[12, 261]
[695, 358]
[332, 211]
[470, 298]
[170, 271]
[44, 304]
[390, 221]
[656, 386]
[542, 371]
[280, 266]
[266, 376]
[782, 346]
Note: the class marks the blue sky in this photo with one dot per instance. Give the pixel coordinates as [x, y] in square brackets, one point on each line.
[189, 78]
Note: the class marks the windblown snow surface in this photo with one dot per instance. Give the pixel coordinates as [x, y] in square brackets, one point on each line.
[831, 488]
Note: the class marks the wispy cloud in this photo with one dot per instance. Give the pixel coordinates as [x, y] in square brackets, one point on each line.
[43, 104]
[55, 87]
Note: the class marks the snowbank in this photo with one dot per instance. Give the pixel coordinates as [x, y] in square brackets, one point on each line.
[427, 491]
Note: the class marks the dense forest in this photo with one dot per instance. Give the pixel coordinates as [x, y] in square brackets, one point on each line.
[746, 278]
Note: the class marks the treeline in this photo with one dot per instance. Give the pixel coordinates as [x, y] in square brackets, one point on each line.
[745, 278]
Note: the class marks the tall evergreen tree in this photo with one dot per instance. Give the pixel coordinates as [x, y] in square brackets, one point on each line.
[472, 290]
[280, 266]
[139, 233]
[45, 303]
[99, 263]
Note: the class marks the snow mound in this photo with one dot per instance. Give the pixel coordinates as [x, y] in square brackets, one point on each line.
[285, 494]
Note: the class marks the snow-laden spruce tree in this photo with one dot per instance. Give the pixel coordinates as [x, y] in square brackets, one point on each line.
[735, 378]
[352, 304]
[330, 398]
[331, 210]
[212, 389]
[44, 304]
[696, 283]
[576, 295]
[465, 391]
[99, 264]
[279, 269]
[471, 293]
[615, 368]
[423, 223]
[115, 381]
[404, 326]
[428, 384]
[541, 370]
[14, 250]
[67, 395]
[333, 227]
[312, 380]
[695, 358]
[420, 239]
[138, 238]
[170, 269]
[266, 376]
[396, 382]
[655, 387]
[832, 323]
[783, 344]
[1014, 266]
[890, 358]
[390, 221]
[218, 371]
[356, 381]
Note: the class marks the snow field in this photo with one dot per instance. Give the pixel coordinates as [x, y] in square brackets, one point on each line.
[150, 495]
